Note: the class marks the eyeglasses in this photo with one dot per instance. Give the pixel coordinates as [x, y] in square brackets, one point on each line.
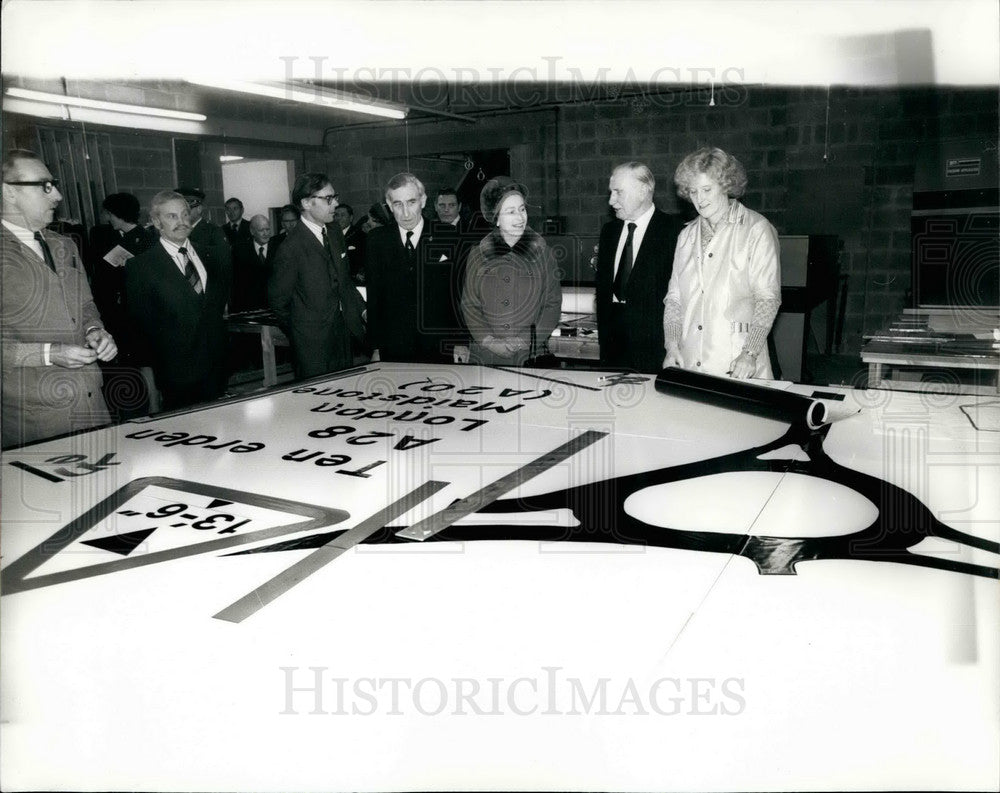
[193, 203]
[328, 198]
[47, 185]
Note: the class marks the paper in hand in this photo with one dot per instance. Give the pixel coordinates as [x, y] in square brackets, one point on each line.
[117, 256]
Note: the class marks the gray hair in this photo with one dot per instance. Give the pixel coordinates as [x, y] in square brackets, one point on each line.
[639, 171]
[402, 180]
[162, 198]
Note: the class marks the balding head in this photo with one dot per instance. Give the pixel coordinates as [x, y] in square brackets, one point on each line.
[260, 229]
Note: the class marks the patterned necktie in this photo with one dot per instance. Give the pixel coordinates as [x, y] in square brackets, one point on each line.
[46, 252]
[190, 272]
[409, 242]
[624, 265]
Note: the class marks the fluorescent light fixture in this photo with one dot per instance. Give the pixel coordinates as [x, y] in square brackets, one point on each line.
[229, 157]
[103, 117]
[97, 104]
[317, 97]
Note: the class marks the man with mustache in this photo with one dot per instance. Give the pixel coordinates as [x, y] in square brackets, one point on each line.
[176, 296]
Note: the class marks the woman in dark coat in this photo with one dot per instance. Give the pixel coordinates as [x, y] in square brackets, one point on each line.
[512, 298]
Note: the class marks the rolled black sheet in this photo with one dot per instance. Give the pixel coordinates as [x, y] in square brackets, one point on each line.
[725, 392]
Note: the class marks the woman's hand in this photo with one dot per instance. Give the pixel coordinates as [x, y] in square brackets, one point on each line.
[673, 356]
[744, 366]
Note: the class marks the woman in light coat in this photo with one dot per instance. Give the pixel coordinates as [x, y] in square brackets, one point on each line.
[725, 288]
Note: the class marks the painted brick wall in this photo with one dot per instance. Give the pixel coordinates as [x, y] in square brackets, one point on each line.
[838, 160]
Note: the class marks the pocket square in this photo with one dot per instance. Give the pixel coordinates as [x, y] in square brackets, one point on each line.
[444, 258]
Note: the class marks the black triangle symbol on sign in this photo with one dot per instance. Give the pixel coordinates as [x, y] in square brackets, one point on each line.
[218, 502]
[122, 544]
[303, 517]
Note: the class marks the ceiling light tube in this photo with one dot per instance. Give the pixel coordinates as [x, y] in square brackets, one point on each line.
[316, 97]
[97, 104]
[104, 117]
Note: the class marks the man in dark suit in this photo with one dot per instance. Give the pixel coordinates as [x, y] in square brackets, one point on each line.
[414, 283]
[253, 262]
[354, 238]
[449, 209]
[204, 234]
[236, 229]
[634, 259]
[177, 293]
[311, 289]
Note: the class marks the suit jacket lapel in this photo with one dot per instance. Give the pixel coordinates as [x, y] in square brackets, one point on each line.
[648, 242]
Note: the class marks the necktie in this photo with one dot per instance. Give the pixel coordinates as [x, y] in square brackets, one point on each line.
[46, 252]
[326, 243]
[261, 255]
[409, 242]
[624, 265]
[190, 272]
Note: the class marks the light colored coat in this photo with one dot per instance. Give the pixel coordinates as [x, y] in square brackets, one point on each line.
[39, 307]
[717, 289]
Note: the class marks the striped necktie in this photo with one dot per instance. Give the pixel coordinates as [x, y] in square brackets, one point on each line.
[191, 272]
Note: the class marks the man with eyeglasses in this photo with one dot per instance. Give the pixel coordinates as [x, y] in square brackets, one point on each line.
[52, 333]
[311, 289]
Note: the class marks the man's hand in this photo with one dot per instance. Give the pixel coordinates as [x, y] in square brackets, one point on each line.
[673, 356]
[460, 354]
[71, 356]
[101, 342]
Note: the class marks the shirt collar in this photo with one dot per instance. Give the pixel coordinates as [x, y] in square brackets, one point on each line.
[417, 231]
[23, 234]
[643, 220]
[173, 248]
[315, 228]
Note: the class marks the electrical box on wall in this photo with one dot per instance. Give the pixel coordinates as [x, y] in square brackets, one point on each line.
[955, 225]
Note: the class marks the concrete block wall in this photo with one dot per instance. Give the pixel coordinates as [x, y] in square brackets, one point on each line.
[780, 134]
[847, 145]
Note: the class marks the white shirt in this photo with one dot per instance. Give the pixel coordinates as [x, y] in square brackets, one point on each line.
[641, 224]
[174, 251]
[417, 231]
[28, 238]
[261, 249]
[25, 236]
[315, 228]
